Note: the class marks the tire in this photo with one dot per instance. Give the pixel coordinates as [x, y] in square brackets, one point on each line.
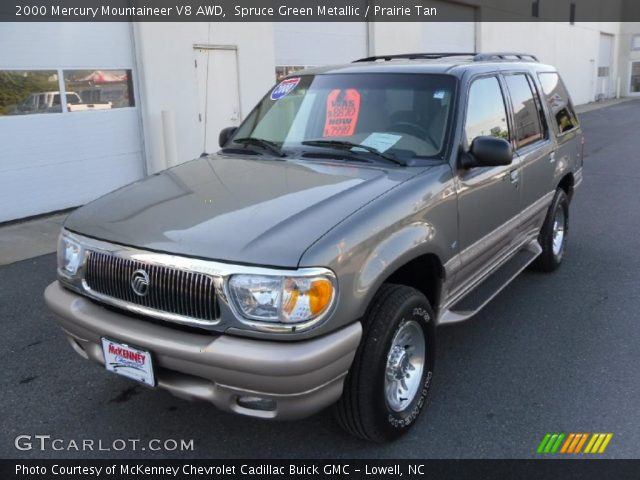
[370, 407]
[552, 251]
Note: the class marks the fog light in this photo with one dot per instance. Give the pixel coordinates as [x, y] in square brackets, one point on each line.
[256, 403]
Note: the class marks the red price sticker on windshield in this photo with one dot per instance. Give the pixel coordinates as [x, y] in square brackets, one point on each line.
[343, 108]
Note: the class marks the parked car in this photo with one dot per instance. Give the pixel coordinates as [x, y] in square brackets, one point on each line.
[49, 102]
[309, 261]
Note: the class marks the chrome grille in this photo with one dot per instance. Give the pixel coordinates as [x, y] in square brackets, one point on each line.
[178, 292]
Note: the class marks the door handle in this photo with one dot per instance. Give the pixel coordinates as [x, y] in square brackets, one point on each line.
[552, 157]
[514, 176]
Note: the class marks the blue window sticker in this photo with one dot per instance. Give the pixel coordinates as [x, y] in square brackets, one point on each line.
[284, 88]
[439, 94]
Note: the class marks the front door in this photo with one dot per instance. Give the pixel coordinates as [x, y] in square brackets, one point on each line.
[488, 197]
[218, 95]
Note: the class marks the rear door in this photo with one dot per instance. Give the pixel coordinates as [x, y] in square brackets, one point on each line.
[534, 148]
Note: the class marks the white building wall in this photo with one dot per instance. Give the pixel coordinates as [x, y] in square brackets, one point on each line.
[319, 43]
[52, 161]
[166, 62]
[388, 38]
[572, 49]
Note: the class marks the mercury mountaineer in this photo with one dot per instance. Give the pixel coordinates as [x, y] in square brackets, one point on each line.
[309, 261]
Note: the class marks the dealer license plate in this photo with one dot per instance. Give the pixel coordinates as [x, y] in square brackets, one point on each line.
[128, 361]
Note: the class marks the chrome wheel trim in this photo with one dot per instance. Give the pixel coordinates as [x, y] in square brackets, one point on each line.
[405, 366]
[559, 230]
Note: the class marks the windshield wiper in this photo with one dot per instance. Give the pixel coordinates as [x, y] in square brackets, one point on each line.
[346, 145]
[260, 142]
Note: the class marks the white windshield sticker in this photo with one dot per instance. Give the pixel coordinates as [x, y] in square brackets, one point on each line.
[381, 141]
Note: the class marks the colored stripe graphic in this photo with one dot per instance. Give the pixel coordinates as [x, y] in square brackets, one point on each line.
[556, 445]
[581, 443]
[598, 443]
[550, 443]
[565, 447]
[572, 443]
[543, 443]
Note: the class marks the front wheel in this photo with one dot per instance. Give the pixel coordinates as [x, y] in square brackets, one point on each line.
[387, 386]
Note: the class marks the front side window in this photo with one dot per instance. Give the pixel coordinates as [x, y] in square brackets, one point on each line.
[528, 126]
[559, 102]
[486, 111]
[405, 115]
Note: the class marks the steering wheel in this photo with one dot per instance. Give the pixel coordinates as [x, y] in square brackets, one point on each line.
[412, 129]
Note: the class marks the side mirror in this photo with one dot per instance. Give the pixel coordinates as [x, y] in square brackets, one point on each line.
[488, 152]
[225, 135]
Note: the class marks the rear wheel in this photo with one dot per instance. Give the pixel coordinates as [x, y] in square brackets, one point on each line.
[387, 386]
[553, 235]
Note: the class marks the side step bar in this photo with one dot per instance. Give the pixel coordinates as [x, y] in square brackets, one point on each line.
[491, 286]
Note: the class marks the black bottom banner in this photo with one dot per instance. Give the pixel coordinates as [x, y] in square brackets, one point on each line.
[321, 469]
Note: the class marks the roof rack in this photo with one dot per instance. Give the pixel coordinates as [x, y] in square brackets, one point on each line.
[412, 56]
[525, 57]
[476, 57]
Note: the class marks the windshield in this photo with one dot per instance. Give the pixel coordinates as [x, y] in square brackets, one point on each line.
[404, 115]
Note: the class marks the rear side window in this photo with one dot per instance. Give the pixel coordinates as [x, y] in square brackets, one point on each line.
[486, 112]
[559, 102]
[528, 126]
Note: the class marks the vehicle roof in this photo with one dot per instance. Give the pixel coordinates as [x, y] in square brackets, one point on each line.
[447, 65]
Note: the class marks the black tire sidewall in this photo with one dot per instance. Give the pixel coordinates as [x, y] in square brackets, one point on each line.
[560, 201]
[394, 423]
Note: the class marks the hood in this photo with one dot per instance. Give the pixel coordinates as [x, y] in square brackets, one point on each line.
[235, 209]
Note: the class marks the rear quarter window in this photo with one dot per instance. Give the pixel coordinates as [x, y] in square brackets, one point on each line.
[559, 102]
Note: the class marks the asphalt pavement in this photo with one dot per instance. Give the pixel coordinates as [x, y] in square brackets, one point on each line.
[552, 353]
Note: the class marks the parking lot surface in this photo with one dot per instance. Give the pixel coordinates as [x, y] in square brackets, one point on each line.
[552, 353]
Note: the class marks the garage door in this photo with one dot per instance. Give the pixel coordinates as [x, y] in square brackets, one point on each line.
[300, 44]
[69, 120]
[451, 37]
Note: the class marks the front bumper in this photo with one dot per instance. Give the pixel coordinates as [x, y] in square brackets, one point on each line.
[301, 377]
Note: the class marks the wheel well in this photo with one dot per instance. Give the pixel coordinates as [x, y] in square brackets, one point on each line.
[425, 274]
[566, 184]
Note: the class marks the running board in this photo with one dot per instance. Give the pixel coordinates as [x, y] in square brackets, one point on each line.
[491, 286]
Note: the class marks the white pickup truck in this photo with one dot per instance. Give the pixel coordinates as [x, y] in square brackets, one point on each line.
[49, 102]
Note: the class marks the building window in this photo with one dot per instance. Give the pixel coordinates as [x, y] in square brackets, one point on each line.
[572, 13]
[98, 89]
[635, 77]
[24, 92]
[635, 42]
[535, 9]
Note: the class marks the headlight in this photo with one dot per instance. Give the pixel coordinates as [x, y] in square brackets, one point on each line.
[288, 300]
[69, 255]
